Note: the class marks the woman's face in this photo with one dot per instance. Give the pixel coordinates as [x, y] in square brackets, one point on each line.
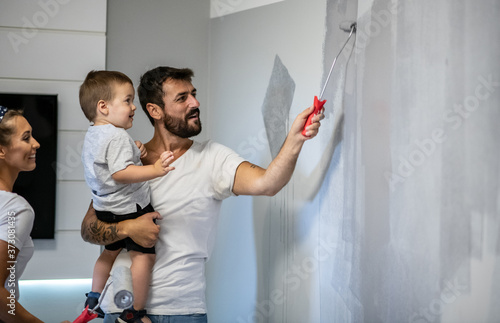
[21, 153]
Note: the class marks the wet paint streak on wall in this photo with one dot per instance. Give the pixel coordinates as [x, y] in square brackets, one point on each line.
[430, 187]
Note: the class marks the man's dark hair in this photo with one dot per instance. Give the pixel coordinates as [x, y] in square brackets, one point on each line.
[150, 89]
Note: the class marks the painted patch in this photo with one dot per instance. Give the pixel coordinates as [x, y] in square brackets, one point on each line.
[276, 106]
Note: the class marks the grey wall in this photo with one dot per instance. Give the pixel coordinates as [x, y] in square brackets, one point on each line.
[427, 110]
[145, 34]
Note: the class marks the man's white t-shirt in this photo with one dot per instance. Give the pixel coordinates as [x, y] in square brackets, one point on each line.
[16, 222]
[189, 200]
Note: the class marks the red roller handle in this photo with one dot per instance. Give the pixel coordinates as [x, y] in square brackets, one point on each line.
[86, 316]
[318, 105]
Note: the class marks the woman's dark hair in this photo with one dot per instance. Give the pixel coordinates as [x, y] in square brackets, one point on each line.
[6, 127]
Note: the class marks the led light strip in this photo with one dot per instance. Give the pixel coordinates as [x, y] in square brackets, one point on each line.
[52, 282]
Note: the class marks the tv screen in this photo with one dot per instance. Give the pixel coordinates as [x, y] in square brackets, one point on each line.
[38, 187]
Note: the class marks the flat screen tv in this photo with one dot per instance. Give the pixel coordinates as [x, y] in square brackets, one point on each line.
[38, 187]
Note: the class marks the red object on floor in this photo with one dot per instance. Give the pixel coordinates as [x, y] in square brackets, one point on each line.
[86, 316]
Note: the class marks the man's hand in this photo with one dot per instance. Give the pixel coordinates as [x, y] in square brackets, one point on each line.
[300, 121]
[142, 230]
[254, 180]
[142, 148]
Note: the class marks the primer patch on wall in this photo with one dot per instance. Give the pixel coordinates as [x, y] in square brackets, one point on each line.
[276, 106]
[219, 8]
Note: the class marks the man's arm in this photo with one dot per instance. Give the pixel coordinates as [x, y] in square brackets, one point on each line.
[254, 180]
[142, 230]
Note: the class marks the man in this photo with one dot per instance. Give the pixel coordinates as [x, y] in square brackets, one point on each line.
[189, 197]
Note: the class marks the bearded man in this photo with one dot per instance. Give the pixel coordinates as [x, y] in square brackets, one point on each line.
[189, 198]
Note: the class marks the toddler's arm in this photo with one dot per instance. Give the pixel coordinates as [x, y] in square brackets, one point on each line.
[136, 174]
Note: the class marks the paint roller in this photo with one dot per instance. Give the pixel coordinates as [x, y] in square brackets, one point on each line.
[122, 286]
[347, 26]
[123, 293]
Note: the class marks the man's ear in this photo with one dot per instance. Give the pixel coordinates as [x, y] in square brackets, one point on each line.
[102, 107]
[155, 111]
[2, 152]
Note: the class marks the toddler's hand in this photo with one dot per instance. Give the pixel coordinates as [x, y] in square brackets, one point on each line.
[163, 163]
[142, 148]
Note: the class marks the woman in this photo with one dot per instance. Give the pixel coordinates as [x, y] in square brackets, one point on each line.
[17, 153]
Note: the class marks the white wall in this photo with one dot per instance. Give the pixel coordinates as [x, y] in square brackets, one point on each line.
[48, 46]
[263, 242]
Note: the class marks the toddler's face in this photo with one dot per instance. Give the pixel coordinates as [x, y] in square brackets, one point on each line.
[122, 108]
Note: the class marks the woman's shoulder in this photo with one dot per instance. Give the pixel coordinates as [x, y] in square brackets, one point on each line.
[13, 202]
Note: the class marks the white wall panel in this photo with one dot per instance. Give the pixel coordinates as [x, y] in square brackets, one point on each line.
[66, 256]
[54, 14]
[69, 164]
[48, 47]
[73, 200]
[70, 114]
[51, 55]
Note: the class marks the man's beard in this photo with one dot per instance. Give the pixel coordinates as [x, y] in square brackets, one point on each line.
[180, 127]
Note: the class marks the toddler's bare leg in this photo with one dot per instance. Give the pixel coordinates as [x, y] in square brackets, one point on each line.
[102, 269]
[142, 265]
